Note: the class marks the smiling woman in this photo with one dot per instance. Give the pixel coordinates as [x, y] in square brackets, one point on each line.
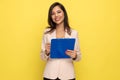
[21, 26]
[59, 28]
[57, 15]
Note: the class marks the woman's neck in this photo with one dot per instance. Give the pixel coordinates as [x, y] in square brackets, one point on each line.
[60, 32]
[60, 27]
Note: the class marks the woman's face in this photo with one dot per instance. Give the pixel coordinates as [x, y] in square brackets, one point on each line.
[57, 15]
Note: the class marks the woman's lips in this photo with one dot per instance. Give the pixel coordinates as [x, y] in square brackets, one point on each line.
[57, 19]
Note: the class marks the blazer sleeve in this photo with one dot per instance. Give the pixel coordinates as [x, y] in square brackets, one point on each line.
[42, 54]
[77, 47]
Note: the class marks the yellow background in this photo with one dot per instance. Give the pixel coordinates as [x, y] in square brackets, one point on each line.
[21, 27]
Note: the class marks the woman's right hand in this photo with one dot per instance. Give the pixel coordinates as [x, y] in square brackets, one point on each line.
[47, 48]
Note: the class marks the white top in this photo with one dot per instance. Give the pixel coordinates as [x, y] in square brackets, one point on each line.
[61, 68]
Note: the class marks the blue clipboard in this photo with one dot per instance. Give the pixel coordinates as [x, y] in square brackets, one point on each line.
[59, 46]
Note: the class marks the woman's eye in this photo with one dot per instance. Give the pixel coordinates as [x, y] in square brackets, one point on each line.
[59, 11]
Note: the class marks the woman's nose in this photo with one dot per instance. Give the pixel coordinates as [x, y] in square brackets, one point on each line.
[56, 14]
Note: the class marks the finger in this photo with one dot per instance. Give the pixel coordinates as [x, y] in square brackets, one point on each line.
[69, 50]
[68, 53]
[47, 47]
[75, 51]
[48, 43]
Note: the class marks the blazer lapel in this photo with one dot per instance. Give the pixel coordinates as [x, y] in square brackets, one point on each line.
[67, 35]
[53, 34]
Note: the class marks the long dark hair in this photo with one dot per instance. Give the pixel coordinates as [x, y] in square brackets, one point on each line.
[52, 25]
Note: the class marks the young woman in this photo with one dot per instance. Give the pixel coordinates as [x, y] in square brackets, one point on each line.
[59, 69]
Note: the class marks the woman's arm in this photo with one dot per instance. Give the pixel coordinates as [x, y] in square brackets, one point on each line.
[44, 52]
[75, 54]
[77, 48]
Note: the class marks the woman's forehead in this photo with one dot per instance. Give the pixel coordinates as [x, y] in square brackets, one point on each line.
[56, 8]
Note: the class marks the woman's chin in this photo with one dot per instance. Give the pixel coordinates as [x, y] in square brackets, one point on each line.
[58, 22]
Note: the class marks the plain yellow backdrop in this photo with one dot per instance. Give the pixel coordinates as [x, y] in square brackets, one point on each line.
[21, 27]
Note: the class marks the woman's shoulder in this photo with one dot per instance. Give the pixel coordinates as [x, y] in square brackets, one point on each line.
[74, 31]
[46, 30]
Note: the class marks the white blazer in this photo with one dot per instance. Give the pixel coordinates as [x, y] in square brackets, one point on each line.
[61, 68]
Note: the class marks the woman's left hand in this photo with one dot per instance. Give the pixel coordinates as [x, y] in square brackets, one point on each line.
[71, 53]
